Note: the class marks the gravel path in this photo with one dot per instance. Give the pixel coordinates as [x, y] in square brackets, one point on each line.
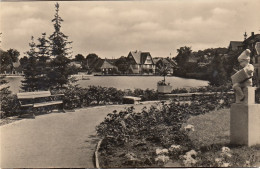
[60, 140]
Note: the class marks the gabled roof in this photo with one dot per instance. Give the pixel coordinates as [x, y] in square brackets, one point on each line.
[233, 45]
[107, 64]
[140, 57]
[137, 56]
[252, 39]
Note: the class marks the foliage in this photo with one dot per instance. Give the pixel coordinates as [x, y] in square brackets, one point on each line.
[217, 75]
[9, 106]
[179, 90]
[42, 65]
[163, 126]
[151, 125]
[183, 55]
[164, 71]
[76, 96]
[122, 64]
[7, 58]
[30, 82]
[58, 40]
[79, 58]
[162, 83]
[43, 48]
[58, 75]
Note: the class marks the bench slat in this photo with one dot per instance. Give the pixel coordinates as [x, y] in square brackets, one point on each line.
[47, 103]
[132, 98]
[32, 95]
[27, 105]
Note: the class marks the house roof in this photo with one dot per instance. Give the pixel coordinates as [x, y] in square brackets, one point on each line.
[155, 60]
[140, 57]
[137, 56]
[252, 39]
[235, 44]
[107, 64]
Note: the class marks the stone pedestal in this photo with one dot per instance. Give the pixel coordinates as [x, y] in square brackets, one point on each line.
[245, 124]
[249, 96]
[164, 89]
[245, 120]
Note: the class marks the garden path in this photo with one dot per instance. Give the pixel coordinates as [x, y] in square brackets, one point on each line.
[60, 140]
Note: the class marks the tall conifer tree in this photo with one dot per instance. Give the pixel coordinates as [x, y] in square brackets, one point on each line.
[30, 82]
[43, 66]
[60, 50]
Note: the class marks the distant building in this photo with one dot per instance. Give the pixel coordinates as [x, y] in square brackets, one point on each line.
[235, 45]
[141, 62]
[168, 62]
[108, 67]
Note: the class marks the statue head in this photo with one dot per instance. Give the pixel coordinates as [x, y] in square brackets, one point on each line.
[244, 58]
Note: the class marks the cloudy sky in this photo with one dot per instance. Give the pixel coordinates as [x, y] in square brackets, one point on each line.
[112, 29]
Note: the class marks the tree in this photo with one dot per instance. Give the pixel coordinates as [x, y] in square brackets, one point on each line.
[90, 62]
[58, 40]
[43, 48]
[13, 54]
[43, 67]
[79, 58]
[183, 55]
[8, 58]
[122, 64]
[218, 75]
[58, 76]
[92, 56]
[30, 82]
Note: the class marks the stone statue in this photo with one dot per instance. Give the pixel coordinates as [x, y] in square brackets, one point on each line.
[257, 48]
[243, 78]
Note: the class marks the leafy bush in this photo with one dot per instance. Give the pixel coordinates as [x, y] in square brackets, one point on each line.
[151, 125]
[148, 94]
[10, 106]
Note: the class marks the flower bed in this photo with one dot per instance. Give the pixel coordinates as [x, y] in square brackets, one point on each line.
[155, 136]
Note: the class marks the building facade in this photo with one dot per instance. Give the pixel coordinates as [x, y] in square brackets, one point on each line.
[141, 62]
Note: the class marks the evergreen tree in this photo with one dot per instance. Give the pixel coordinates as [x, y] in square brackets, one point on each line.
[58, 75]
[43, 48]
[30, 82]
[218, 74]
[43, 66]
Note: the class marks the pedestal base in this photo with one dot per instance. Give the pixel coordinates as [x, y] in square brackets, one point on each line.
[245, 124]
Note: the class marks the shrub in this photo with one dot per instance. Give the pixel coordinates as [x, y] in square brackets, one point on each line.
[10, 106]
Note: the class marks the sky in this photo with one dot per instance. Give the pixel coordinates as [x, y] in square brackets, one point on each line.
[113, 28]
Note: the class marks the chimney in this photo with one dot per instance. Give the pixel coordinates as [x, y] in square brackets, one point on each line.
[252, 34]
[245, 36]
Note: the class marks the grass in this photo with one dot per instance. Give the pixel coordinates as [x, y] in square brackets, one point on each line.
[212, 131]
[211, 128]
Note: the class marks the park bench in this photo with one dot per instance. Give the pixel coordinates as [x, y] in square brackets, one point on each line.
[131, 100]
[39, 100]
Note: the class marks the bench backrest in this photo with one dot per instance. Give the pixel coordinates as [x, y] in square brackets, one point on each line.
[32, 95]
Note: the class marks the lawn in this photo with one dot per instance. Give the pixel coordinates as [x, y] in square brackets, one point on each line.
[209, 142]
[211, 132]
[210, 128]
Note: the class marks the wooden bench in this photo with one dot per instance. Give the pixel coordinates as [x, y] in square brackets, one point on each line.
[131, 100]
[31, 101]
